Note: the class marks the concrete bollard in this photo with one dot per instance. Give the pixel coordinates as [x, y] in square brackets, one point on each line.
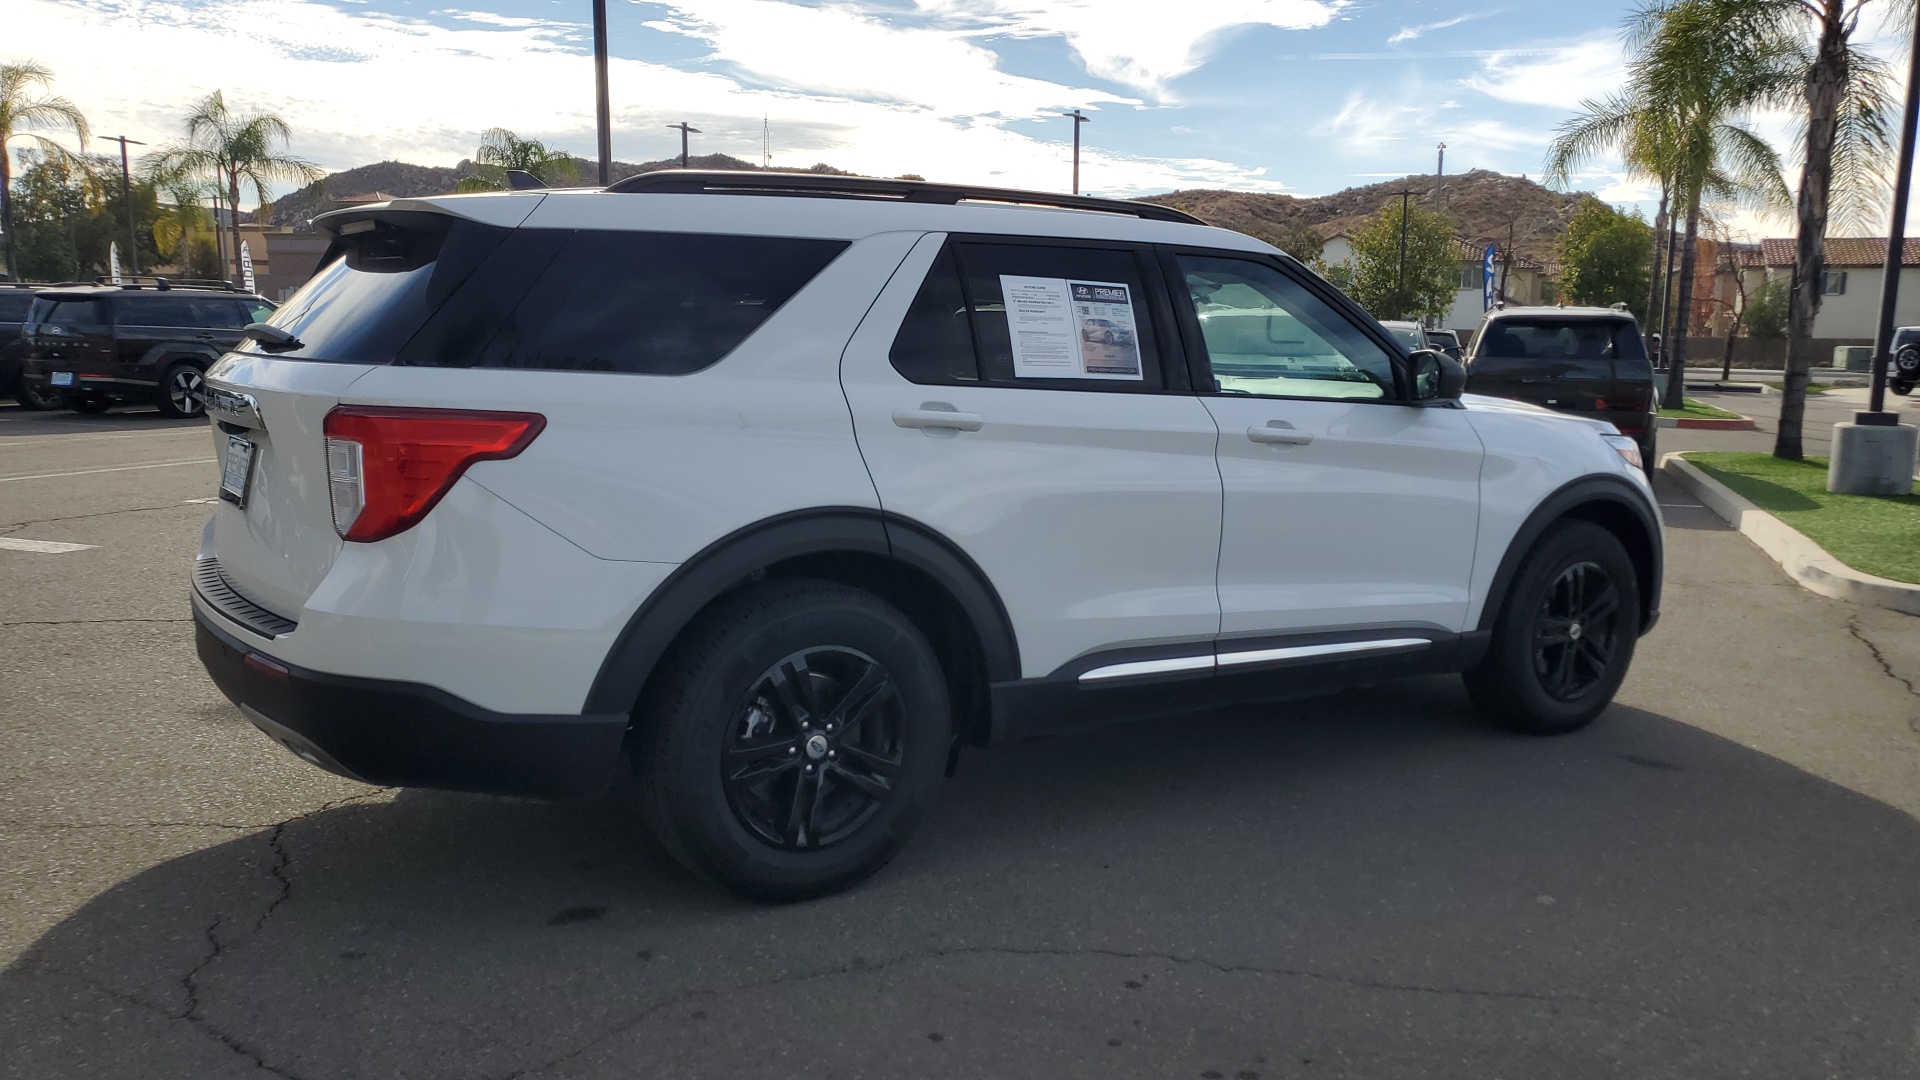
[1872, 459]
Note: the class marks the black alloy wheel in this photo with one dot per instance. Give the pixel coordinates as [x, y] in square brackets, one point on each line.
[815, 751]
[1564, 634]
[1576, 631]
[183, 391]
[793, 739]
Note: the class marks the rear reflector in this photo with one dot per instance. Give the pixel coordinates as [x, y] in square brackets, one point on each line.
[386, 468]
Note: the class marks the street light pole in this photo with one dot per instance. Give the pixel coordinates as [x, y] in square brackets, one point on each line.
[1896, 248]
[126, 196]
[1078, 119]
[684, 131]
[602, 106]
[1400, 271]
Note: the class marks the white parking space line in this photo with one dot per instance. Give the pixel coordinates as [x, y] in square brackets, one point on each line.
[45, 547]
[115, 468]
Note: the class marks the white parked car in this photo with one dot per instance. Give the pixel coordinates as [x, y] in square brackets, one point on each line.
[791, 486]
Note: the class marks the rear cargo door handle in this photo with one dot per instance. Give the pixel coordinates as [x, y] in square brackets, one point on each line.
[937, 416]
[1280, 432]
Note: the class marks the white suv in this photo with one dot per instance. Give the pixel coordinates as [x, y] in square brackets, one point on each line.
[787, 487]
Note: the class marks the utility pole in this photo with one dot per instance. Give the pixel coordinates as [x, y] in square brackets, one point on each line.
[1078, 119]
[684, 131]
[1440, 180]
[766, 142]
[1400, 271]
[602, 106]
[126, 196]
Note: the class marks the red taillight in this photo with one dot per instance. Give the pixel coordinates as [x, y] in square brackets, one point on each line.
[387, 467]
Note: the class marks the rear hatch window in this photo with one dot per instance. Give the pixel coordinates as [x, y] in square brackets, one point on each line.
[1588, 365]
[432, 290]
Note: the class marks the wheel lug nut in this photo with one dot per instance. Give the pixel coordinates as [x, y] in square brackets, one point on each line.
[809, 768]
[831, 754]
[793, 750]
[829, 729]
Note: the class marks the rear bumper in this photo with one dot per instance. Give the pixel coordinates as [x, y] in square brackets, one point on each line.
[403, 734]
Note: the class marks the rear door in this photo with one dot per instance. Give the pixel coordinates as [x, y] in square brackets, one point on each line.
[1563, 364]
[1024, 399]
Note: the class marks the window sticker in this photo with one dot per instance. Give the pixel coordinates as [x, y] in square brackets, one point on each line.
[1062, 329]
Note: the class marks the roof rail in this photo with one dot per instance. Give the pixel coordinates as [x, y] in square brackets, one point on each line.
[826, 186]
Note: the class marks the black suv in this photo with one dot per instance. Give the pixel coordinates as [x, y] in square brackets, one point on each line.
[15, 298]
[102, 345]
[1587, 361]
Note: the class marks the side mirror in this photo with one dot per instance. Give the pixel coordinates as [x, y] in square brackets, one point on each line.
[1436, 376]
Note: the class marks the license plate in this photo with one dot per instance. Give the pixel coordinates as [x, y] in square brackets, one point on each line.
[62, 378]
[238, 470]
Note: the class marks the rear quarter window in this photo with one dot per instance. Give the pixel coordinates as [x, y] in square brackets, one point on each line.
[452, 293]
[14, 304]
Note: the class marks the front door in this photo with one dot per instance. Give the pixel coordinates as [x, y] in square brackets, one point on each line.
[1345, 509]
[1021, 398]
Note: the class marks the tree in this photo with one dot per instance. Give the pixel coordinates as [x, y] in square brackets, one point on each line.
[1766, 312]
[1842, 95]
[25, 110]
[1422, 286]
[231, 150]
[1603, 257]
[1298, 238]
[501, 150]
[1688, 91]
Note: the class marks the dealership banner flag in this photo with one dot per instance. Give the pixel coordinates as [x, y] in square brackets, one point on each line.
[113, 262]
[1486, 280]
[246, 267]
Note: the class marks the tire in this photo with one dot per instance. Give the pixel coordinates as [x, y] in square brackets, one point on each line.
[181, 392]
[783, 660]
[36, 397]
[1556, 659]
[87, 402]
[1900, 388]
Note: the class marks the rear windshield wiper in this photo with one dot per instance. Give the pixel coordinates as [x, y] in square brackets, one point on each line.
[272, 337]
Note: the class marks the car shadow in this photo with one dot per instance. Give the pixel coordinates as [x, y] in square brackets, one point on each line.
[1374, 881]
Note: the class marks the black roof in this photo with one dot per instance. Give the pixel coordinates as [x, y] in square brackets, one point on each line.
[825, 186]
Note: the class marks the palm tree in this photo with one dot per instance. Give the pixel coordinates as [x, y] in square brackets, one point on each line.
[177, 226]
[24, 107]
[1686, 95]
[232, 150]
[501, 150]
[1843, 96]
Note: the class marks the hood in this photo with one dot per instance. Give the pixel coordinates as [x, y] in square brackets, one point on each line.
[1483, 403]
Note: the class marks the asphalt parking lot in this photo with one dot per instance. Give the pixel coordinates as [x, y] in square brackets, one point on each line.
[1719, 878]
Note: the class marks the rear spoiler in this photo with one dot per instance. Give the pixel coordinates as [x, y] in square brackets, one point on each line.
[503, 209]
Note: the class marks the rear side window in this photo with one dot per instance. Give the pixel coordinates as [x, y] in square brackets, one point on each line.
[653, 303]
[935, 342]
[189, 311]
[451, 293]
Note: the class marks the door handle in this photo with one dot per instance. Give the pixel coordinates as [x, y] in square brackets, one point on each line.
[933, 416]
[1281, 432]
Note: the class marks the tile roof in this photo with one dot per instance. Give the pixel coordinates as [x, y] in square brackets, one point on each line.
[1844, 251]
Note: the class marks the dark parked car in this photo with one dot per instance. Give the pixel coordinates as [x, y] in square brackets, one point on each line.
[102, 345]
[1903, 372]
[1589, 361]
[15, 298]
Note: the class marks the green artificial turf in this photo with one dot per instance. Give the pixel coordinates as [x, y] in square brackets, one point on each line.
[1878, 534]
[1699, 410]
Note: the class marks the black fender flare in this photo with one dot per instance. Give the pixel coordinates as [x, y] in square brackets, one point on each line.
[737, 557]
[1613, 495]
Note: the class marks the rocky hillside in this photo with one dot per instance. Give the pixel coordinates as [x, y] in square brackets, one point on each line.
[1483, 205]
[399, 179]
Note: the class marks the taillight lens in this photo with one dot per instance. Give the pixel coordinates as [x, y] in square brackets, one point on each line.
[387, 467]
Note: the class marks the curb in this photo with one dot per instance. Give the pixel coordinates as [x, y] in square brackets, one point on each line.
[1741, 423]
[1804, 561]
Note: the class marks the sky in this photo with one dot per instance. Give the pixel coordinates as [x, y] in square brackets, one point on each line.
[1299, 96]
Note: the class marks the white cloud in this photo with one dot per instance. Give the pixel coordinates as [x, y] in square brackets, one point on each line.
[1140, 43]
[1407, 120]
[1409, 33]
[1559, 77]
[359, 86]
